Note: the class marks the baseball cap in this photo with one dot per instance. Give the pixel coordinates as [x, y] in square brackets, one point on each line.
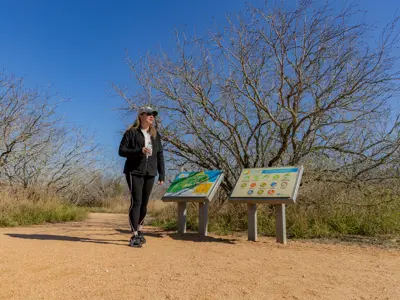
[148, 110]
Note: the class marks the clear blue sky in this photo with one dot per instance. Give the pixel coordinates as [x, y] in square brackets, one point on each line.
[78, 46]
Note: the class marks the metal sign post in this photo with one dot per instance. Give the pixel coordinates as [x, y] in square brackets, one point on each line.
[182, 211]
[203, 218]
[252, 221]
[280, 216]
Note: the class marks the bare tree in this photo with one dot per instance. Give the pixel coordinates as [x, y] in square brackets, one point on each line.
[93, 186]
[36, 148]
[281, 86]
[26, 119]
[75, 156]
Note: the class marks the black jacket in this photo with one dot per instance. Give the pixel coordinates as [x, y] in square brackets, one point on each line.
[136, 163]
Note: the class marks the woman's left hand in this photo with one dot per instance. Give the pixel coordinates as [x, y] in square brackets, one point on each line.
[161, 182]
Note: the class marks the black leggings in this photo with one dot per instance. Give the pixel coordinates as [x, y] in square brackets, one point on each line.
[140, 187]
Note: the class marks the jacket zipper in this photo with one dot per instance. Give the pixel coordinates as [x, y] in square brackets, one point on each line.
[146, 166]
[147, 158]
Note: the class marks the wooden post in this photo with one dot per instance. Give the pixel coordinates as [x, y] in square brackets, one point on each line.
[203, 218]
[252, 221]
[181, 217]
[280, 215]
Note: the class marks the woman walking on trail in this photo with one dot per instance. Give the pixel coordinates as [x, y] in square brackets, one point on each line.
[141, 145]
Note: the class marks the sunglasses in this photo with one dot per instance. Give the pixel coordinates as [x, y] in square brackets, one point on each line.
[148, 114]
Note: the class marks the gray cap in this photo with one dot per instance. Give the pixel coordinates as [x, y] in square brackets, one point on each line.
[148, 110]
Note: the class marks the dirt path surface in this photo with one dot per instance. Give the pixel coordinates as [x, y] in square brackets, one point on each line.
[91, 260]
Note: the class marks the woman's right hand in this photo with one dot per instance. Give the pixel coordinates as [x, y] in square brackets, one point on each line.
[146, 150]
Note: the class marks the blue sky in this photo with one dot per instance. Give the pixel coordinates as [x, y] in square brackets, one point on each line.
[78, 47]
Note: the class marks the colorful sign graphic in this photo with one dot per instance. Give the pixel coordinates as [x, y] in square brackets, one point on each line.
[193, 184]
[268, 183]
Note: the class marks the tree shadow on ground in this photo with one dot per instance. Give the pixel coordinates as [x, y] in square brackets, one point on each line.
[156, 234]
[196, 237]
[190, 236]
[51, 237]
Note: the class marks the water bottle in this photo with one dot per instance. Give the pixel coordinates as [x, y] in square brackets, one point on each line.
[150, 147]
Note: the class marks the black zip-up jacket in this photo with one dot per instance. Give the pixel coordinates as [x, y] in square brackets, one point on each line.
[136, 163]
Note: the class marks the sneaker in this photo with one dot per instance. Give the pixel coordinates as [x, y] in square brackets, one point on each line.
[142, 238]
[135, 241]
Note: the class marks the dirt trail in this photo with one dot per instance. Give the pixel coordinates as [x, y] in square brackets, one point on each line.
[91, 260]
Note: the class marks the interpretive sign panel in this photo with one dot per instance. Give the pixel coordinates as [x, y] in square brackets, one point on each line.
[270, 185]
[193, 185]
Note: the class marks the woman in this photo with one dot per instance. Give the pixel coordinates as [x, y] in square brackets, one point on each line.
[141, 145]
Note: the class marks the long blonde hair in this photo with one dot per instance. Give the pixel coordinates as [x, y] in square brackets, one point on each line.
[136, 125]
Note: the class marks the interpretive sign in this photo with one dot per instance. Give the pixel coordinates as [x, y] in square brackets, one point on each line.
[278, 186]
[194, 185]
[272, 185]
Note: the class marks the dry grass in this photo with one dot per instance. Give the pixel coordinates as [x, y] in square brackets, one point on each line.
[26, 207]
[157, 205]
[120, 205]
[119, 202]
[117, 205]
